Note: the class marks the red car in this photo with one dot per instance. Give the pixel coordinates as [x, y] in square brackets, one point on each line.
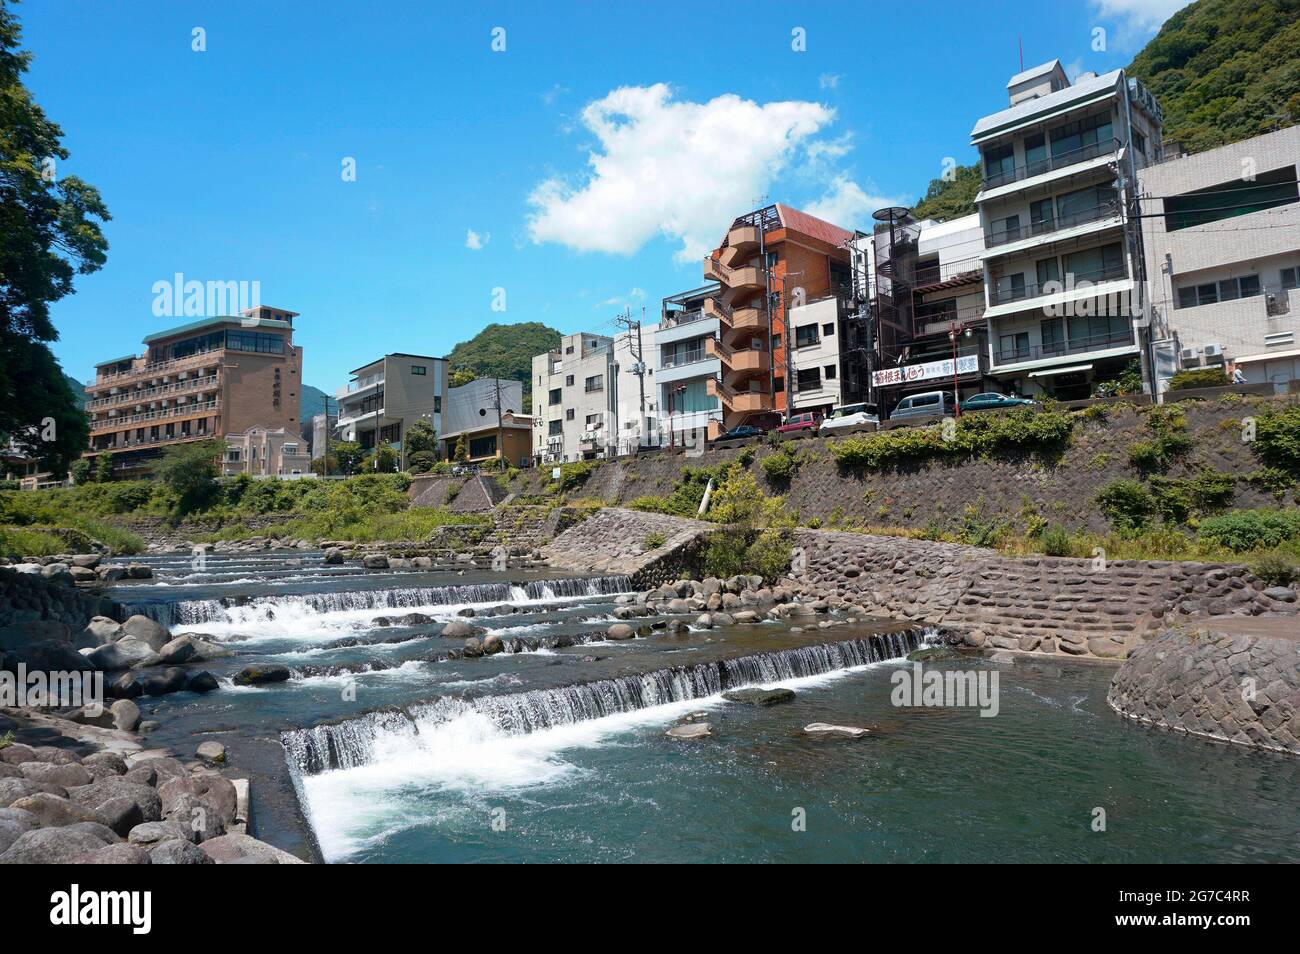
[801, 425]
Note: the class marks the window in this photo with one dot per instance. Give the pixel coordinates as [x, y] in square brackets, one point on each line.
[437, 404]
[828, 330]
[1230, 289]
[554, 397]
[1084, 136]
[593, 419]
[568, 380]
[1011, 287]
[1035, 155]
[830, 372]
[568, 415]
[594, 383]
[1140, 142]
[257, 343]
[289, 448]
[1006, 230]
[555, 427]
[1053, 335]
[1014, 346]
[483, 446]
[805, 336]
[232, 455]
[999, 163]
[809, 379]
[418, 369]
[778, 385]
[1049, 270]
[1230, 199]
[776, 339]
[1290, 278]
[1096, 264]
[1085, 205]
[1040, 215]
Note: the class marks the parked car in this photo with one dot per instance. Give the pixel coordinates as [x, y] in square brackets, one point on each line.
[988, 400]
[765, 420]
[743, 432]
[801, 425]
[928, 404]
[848, 418]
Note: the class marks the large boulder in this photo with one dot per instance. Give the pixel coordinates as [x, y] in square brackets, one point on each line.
[118, 854]
[759, 697]
[147, 630]
[52, 846]
[14, 823]
[51, 811]
[375, 561]
[333, 557]
[98, 632]
[176, 651]
[215, 792]
[171, 679]
[81, 574]
[87, 560]
[47, 656]
[261, 675]
[139, 571]
[619, 631]
[150, 834]
[114, 657]
[111, 572]
[459, 629]
[244, 848]
[69, 774]
[99, 793]
[126, 716]
[178, 851]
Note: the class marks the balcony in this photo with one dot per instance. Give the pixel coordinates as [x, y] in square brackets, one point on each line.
[371, 416]
[743, 318]
[734, 400]
[360, 384]
[1059, 223]
[1038, 167]
[198, 359]
[149, 394]
[742, 243]
[1061, 349]
[1002, 295]
[746, 278]
[181, 410]
[933, 277]
[738, 361]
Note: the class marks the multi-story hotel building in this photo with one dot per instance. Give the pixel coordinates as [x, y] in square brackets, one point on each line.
[1222, 241]
[771, 259]
[206, 379]
[1062, 262]
[388, 395]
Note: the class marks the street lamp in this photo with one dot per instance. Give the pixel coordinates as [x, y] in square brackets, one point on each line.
[953, 335]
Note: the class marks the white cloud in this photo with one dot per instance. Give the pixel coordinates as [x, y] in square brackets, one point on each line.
[634, 297]
[848, 205]
[829, 80]
[1138, 18]
[673, 168]
[475, 241]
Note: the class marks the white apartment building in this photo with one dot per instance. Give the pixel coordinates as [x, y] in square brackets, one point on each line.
[636, 397]
[815, 358]
[1062, 264]
[1222, 247]
[388, 395]
[574, 400]
[685, 360]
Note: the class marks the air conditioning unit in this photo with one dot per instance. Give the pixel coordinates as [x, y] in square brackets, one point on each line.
[1213, 354]
[1190, 356]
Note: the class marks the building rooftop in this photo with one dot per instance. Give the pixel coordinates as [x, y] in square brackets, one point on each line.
[1042, 69]
[242, 321]
[395, 354]
[1043, 106]
[811, 225]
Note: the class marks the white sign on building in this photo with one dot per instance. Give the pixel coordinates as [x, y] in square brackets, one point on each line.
[966, 364]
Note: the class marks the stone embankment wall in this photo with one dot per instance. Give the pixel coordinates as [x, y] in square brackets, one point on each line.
[1062, 491]
[34, 608]
[615, 540]
[1033, 604]
[1235, 680]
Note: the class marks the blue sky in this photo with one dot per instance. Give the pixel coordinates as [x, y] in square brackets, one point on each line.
[226, 165]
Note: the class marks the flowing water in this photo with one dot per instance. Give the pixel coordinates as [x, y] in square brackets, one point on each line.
[397, 750]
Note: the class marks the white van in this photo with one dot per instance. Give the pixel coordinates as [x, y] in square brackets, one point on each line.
[848, 418]
[928, 404]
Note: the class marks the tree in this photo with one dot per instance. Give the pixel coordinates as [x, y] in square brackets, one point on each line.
[420, 438]
[104, 468]
[80, 471]
[48, 234]
[950, 198]
[345, 457]
[190, 470]
[462, 450]
[382, 461]
[461, 377]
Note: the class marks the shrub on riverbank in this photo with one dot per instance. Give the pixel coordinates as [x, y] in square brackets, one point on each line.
[1245, 530]
[973, 435]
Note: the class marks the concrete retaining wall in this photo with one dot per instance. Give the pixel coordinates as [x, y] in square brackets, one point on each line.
[614, 540]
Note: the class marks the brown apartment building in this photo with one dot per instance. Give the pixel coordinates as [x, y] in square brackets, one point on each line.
[206, 379]
[772, 259]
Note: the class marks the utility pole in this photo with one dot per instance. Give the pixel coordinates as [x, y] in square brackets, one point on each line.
[638, 368]
[501, 441]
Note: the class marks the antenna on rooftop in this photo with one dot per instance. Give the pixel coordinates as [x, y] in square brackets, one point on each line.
[1020, 40]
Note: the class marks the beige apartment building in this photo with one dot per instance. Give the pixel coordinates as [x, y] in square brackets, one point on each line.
[266, 452]
[388, 395]
[1222, 240]
[203, 380]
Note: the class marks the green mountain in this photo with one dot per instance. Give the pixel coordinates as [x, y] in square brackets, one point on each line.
[504, 351]
[1223, 70]
[312, 403]
[78, 390]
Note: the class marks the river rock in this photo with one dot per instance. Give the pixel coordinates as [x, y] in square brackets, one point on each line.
[150, 834]
[211, 751]
[202, 681]
[68, 775]
[178, 851]
[745, 616]
[98, 794]
[619, 631]
[333, 557]
[178, 650]
[491, 644]
[51, 846]
[138, 571]
[473, 648]
[111, 572]
[261, 675]
[111, 761]
[117, 656]
[826, 728]
[722, 619]
[234, 847]
[759, 697]
[98, 632]
[692, 730]
[53, 811]
[146, 630]
[14, 823]
[171, 679]
[81, 574]
[87, 560]
[375, 561]
[119, 854]
[458, 629]
[216, 792]
[704, 621]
